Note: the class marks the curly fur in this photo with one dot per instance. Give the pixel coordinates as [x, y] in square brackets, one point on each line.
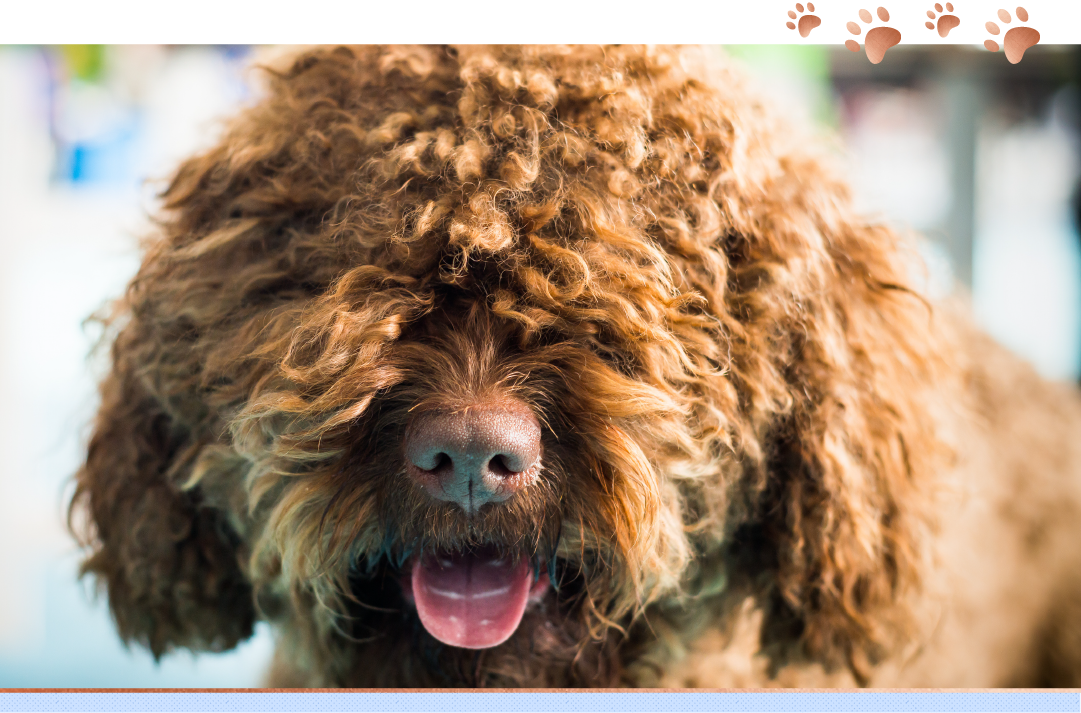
[757, 436]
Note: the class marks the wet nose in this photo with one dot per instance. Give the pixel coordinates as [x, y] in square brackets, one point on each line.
[477, 455]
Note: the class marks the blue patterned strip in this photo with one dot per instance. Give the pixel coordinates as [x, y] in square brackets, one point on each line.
[796, 702]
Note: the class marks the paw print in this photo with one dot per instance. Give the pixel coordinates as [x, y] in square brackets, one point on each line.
[945, 22]
[878, 40]
[1017, 39]
[806, 23]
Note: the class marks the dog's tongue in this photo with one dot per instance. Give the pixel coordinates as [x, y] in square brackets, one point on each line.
[471, 600]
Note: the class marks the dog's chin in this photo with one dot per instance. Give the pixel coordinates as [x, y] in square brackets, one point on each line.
[474, 599]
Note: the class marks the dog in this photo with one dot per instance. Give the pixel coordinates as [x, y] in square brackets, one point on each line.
[552, 367]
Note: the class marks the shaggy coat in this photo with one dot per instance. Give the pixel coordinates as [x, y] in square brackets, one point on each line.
[767, 459]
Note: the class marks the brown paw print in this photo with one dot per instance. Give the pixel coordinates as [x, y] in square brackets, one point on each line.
[806, 23]
[1017, 39]
[878, 40]
[945, 22]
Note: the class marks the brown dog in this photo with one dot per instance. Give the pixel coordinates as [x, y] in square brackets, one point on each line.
[550, 367]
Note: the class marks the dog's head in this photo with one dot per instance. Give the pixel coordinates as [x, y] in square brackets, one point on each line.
[499, 349]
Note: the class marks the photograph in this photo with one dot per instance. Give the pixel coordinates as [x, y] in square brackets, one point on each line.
[735, 366]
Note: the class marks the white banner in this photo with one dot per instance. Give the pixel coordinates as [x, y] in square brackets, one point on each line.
[697, 21]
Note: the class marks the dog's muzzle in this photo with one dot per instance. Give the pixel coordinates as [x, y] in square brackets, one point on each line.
[474, 456]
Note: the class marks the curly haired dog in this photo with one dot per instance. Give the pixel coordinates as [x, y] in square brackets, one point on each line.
[565, 367]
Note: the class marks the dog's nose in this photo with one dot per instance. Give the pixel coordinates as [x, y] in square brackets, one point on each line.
[481, 454]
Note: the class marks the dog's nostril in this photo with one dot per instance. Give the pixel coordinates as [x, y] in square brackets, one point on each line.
[499, 466]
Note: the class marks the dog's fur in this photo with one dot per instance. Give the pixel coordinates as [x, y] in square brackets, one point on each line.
[767, 459]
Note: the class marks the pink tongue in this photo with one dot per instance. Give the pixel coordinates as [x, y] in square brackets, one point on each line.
[473, 601]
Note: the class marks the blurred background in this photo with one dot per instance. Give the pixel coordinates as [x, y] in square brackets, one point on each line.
[978, 156]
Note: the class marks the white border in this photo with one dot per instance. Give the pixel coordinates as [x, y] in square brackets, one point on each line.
[576, 21]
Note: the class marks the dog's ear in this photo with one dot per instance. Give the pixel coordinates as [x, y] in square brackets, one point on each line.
[837, 535]
[168, 561]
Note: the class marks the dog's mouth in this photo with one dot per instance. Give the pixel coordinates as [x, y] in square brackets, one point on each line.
[473, 599]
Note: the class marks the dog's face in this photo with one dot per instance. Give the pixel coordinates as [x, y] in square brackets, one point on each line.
[491, 351]
[484, 472]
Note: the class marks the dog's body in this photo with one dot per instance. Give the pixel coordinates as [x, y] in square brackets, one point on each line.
[999, 604]
[550, 367]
